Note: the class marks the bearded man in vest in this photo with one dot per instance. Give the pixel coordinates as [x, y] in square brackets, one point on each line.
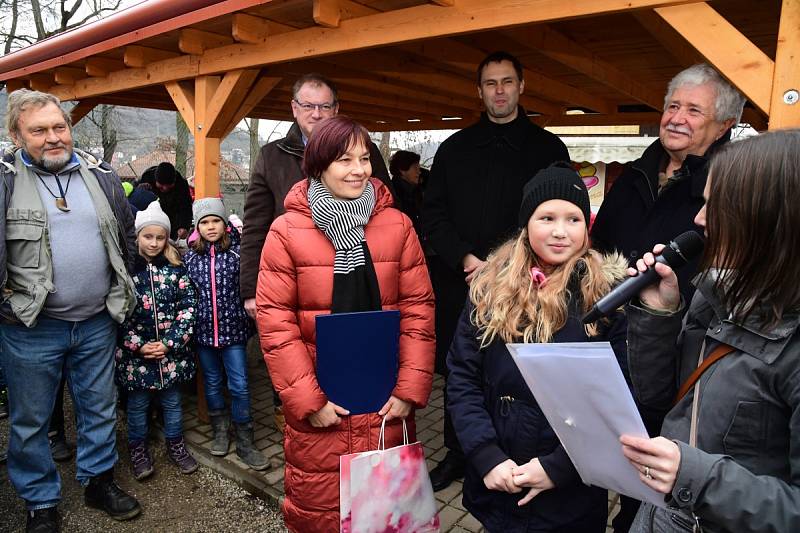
[67, 244]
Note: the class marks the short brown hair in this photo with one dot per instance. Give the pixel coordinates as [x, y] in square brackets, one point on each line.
[329, 140]
[753, 225]
[21, 99]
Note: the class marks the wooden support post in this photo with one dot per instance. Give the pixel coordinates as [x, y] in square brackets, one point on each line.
[206, 149]
[785, 106]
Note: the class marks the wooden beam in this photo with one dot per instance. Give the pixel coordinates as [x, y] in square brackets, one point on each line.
[261, 88]
[140, 56]
[721, 44]
[381, 29]
[755, 118]
[327, 13]
[183, 96]
[13, 85]
[81, 109]
[445, 3]
[42, 81]
[69, 75]
[251, 29]
[785, 105]
[404, 25]
[227, 99]
[672, 41]
[192, 41]
[466, 58]
[100, 67]
[572, 54]
[206, 149]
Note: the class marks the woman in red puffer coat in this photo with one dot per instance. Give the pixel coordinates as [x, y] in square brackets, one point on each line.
[340, 247]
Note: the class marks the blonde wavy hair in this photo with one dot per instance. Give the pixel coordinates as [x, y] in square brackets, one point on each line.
[508, 305]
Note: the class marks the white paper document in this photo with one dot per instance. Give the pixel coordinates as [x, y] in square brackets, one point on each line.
[582, 392]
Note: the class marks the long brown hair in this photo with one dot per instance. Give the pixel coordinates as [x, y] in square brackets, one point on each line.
[509, 307]
[753, 226]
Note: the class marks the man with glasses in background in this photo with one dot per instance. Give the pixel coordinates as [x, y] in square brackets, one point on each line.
[277, 169]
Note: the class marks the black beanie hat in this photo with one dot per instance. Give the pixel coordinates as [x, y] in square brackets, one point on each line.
[165, 173]
[556, 182]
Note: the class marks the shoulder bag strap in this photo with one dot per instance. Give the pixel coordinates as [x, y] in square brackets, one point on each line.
[719, 352]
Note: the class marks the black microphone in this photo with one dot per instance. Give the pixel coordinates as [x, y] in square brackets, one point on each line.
[680, 251]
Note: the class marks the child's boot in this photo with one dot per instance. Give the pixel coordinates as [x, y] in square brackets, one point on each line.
[246, 450]
[220, 423]
[141, 461]
[178, 454]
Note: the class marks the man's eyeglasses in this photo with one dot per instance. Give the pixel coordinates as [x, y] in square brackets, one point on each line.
[306, 107]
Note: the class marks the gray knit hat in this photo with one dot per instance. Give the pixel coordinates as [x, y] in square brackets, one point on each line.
[152, 216]
[207, 207]
[556, 182]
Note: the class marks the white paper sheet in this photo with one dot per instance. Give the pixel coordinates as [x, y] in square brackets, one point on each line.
[582, 392]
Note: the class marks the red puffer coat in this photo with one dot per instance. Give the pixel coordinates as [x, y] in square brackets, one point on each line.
[295, 283]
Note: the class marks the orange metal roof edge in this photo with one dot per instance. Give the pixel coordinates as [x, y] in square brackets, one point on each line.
[150, 18]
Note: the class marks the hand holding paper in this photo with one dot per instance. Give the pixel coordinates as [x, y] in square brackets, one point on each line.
[581, 391]
[660, 456]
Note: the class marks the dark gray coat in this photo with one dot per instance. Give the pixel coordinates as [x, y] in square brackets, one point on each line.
[744, 474]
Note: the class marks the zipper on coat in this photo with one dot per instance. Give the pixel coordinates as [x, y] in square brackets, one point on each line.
[505, 405]
[214, 295]
[151, 269]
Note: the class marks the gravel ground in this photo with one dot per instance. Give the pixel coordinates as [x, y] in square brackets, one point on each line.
[172, 502]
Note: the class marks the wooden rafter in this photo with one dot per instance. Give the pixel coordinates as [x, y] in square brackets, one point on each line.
[68, 75]
[722, 45]
[100, 67]
[41, 81]
[785, 113]
[380, 29]
[669, 38]
[327, 13]
[195, 42]
[140, 56]
[254, 30]
[570, 53]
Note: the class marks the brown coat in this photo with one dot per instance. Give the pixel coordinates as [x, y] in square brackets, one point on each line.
[295, 283]
[277, 169]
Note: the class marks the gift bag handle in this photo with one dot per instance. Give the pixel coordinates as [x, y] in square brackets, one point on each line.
[382, 440]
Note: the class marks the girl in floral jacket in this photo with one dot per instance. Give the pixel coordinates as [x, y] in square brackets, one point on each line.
[153, 355]
[222, 329]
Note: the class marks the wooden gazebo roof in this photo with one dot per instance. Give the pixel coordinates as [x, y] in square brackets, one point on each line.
[410, 64]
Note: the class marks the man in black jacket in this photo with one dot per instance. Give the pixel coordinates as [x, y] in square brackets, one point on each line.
[175, 199]
[657, 196]
[471, 203]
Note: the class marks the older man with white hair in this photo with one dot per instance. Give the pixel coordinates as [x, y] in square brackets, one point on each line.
[66, 243]
[657, 196]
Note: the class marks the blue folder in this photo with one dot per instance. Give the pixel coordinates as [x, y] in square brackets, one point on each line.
[357, 358]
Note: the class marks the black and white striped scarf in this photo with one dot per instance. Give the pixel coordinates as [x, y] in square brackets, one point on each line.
[343, 223]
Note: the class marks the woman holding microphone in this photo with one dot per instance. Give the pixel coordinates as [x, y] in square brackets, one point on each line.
[728, 372]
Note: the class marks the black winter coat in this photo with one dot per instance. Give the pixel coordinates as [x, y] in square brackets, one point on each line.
[634, 217]
[472, 198]
[496, 418]
[177, 204]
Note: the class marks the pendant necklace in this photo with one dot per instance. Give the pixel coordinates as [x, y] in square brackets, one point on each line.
[61, 201]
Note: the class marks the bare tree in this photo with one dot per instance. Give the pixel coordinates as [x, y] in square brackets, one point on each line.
[48, 17]
[181, 144]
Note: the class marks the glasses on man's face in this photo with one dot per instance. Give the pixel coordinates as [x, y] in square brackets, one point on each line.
[308, 108]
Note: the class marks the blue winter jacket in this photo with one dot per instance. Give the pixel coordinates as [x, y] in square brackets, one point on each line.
[496, 417]
[221, 318]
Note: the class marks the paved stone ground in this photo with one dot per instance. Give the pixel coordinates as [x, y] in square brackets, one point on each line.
[454, 518]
